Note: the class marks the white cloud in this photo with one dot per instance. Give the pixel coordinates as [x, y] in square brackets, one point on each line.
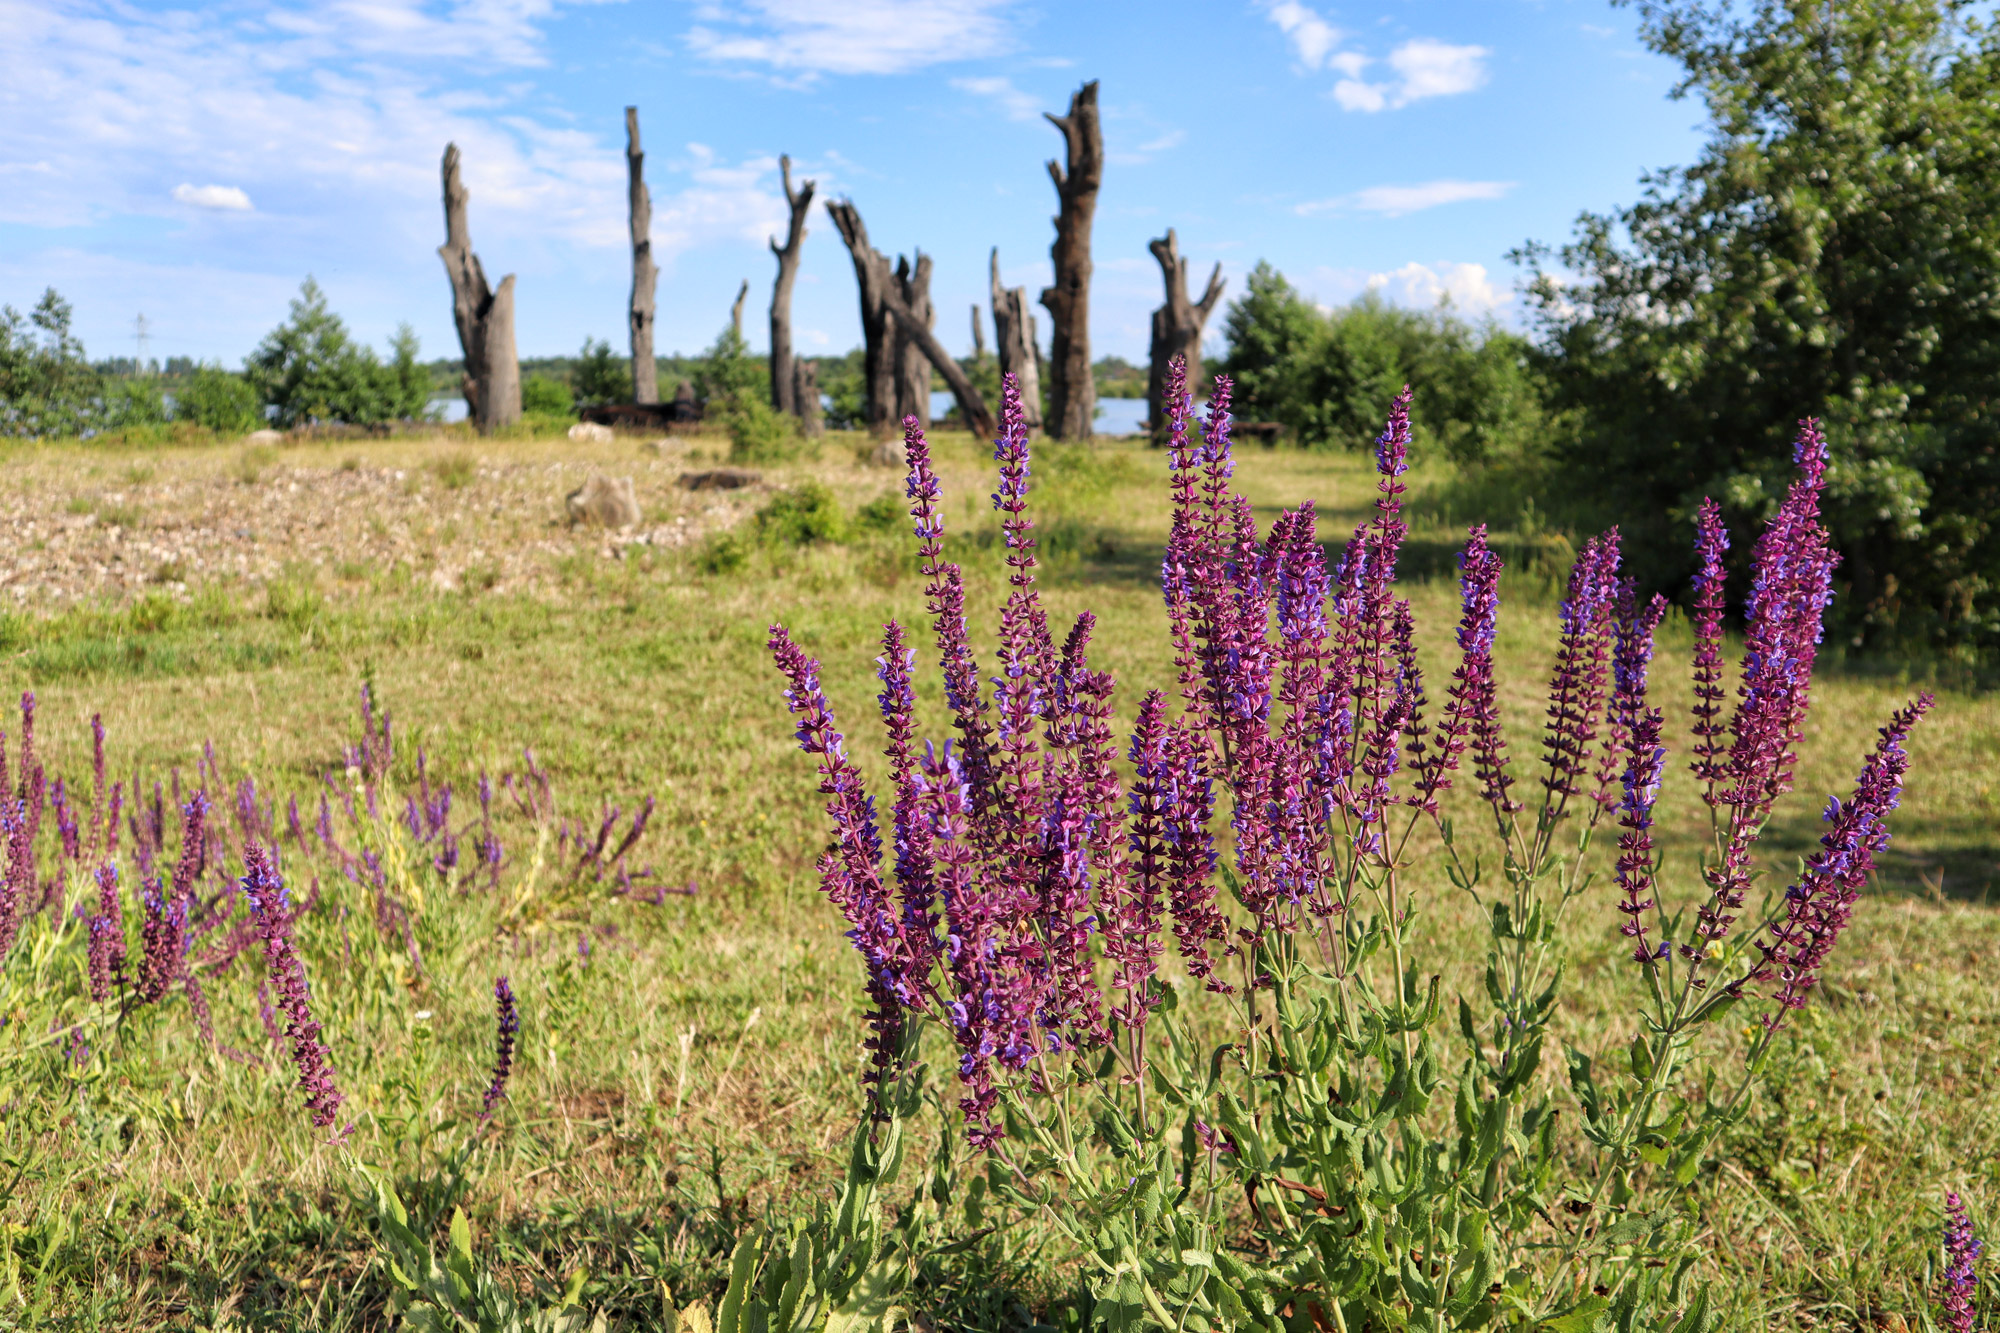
[1017, 104]
[1424, 67]
[1395, 200]
[812, 37]
[1466, 287]
[223, 198]
[1143, 153]
[1313, 38]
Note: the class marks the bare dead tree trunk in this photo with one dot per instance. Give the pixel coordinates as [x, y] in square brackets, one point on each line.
[645, 274]
[913, 368]
[485, 317]
[978, 335]
[736, 310]
[805, 396]
[1177, 328]
[800, 200]
[1014, 342]
[874, 277]
[1072, 394]
[972, 407]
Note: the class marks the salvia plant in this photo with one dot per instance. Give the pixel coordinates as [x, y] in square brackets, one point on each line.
[1331, 1141]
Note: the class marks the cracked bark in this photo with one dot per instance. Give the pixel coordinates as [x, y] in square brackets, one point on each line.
[484, 315]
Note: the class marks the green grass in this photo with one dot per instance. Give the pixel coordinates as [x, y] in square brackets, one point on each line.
[697, 1071]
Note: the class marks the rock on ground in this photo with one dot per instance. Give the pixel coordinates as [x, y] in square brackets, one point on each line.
[590, 432]
[608, 502]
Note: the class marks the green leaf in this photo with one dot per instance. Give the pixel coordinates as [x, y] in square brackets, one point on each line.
[1579, 1318]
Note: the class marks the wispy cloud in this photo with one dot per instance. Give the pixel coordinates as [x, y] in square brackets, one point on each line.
[222, 198]
[1423, 68]
[1140, 154]
[1464, 287]
[1395, 200]
[813, 37]
[1017, 104]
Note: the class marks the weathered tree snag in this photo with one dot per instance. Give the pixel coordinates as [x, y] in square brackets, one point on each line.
[874, 277]
[805, 396]
[736, 310]
[1177, 327]
[978, 335]
[1014, 342]
[645, 274]
[1072, 394]
[913, 368]
[972, 407]
[781, 293]
[485, 317]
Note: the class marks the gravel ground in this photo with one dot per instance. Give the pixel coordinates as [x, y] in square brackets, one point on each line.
[80, 525]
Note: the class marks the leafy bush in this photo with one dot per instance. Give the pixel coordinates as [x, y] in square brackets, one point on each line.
[47, 387]
[310, 370]
[804, 514]
[598, 378]
[1830, 251]
[1340, 1156]
[728, 375]
[885, 513]
[722, 553]
[758, 432]
[218, 399]
[1328, 377]
[543, 396]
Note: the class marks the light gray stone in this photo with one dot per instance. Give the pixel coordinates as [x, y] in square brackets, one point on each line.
[605, 502]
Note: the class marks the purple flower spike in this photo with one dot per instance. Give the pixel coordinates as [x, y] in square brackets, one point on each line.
[1961, 1268]
[107, 937]
[1472, 708]
[507, 1022]
[266, 891]
[1577, 687]
[1818, 906]
[1711, 543]
[1132, 908]
[165, 931]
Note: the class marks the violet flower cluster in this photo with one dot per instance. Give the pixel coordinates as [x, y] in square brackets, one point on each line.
[1016, 865]
[1957, 1300]
[265, 888]
[507, 1023]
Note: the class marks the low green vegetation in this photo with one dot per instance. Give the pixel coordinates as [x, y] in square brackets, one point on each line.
[686, 1066]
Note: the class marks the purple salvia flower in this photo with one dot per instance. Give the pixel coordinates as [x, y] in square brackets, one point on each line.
[107, 936]
[1962, 1250]
[976, 1009]
[1632, 627]
[1645, 760]
[1082, 832]
[1188, 810]
[1711, 544]
[266, 891]
[1577, 685]
[269, 1014]
[850, 874]
[1181, 567]
[507, 1023]
[66, 822]
[1818, 906]
[165, 932]
[204, 1022]
[1132, 908]
[944, 599]
[911, 838]
[1472, 709]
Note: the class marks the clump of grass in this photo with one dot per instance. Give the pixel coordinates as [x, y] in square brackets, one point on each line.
[886, 513]
[454, 471]
[253, 461]
[802, 515]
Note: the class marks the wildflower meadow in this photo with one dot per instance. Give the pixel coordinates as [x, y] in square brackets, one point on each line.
[1428, 927]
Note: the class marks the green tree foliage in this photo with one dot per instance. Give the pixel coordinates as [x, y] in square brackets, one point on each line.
[734, 389]
[47, 387]
[598, 377]
[1835, 252]
[1329, 376]
[216, 398]
[544, 395]
[310, 369]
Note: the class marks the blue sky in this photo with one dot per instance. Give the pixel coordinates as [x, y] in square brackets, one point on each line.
[194, 163]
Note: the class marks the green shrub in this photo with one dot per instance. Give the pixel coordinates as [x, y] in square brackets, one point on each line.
[723, 553]
[806, 513]
[219, 399]
[885, 513]
[546, 396]
[309, 369]
[760, 433]
[599, 377]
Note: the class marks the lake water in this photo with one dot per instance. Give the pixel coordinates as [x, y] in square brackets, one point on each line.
[1115, 416]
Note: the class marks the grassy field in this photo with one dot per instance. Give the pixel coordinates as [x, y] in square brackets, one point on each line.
[688, 1059]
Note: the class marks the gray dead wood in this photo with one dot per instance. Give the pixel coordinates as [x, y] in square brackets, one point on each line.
[1014, 342]
[736, 310]
[913, 367]
[1072, 392]
[1177, 328]
[873, 276]
[782, 396]
[485, 316]
[645, 274]
[972, 407]
[978, 335]
[805, 394]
